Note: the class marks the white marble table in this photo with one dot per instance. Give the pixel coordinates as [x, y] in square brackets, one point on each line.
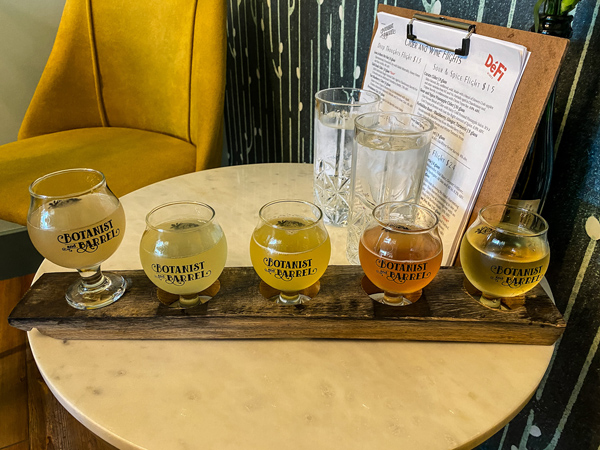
[279, 394]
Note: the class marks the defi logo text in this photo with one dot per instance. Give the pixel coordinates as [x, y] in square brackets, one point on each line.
[497, 69]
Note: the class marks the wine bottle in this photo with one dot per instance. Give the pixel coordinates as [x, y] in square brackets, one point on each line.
[533, 184]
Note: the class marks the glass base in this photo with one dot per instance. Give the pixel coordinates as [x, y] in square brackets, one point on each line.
[503, 303]
[304, 296]
[188, 301]
[400, 300]
[494, 303]
[394, 301]
[104, 293]
[283, 299]
[390, 299]
[497, 304]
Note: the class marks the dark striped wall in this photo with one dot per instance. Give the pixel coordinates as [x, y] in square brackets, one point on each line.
[280, 52]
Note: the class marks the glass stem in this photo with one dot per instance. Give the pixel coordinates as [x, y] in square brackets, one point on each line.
[490, 302]
[289, 298]
[188, 300]
[91, 277]
[391, 298]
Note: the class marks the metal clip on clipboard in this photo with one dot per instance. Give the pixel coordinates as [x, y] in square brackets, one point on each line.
[464, 51]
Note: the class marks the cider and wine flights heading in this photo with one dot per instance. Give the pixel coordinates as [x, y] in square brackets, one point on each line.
[466, 97]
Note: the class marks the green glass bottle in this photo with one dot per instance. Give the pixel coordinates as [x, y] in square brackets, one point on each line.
[533, 184]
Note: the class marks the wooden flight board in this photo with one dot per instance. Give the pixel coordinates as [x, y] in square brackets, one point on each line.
[341, 310]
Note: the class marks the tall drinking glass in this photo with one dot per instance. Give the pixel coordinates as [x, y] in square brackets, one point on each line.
[335, 111]
[76, 221]
[389, 166]
[290, 248]
[505, 252]
[183, 250]
[401, 251]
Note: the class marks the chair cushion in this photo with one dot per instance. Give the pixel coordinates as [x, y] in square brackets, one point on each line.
[129, 158]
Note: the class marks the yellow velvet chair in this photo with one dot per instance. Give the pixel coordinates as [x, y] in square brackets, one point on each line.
[132, 88]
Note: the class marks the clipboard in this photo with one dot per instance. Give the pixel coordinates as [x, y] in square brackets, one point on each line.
[533, 92]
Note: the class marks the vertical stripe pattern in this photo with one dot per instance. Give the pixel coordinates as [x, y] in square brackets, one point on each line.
[281, 52]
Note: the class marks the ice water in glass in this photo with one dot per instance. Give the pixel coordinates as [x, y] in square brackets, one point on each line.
[389, 166]
[335, 111]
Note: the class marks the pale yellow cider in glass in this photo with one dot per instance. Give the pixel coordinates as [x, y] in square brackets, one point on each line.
[183, 257]
[287, 257]
[504, 273]
[78, 233]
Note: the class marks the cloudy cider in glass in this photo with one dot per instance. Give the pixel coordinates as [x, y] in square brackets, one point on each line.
[183, 257]
[287, 257]
[78, 233]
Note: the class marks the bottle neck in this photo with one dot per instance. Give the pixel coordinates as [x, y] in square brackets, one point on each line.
[556, 25]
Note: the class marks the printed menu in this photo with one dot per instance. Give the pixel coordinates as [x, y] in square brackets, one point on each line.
[466, 97]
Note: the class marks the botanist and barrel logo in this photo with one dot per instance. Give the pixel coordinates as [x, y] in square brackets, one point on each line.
[400, 273]
[178, 275]
[88, 240]
[289, 270]
[516, 278]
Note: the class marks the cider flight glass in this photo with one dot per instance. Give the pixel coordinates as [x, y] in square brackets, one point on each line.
[400, 251]
[505, 252]
[75, 221]
[183, 250]
[290, 248]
